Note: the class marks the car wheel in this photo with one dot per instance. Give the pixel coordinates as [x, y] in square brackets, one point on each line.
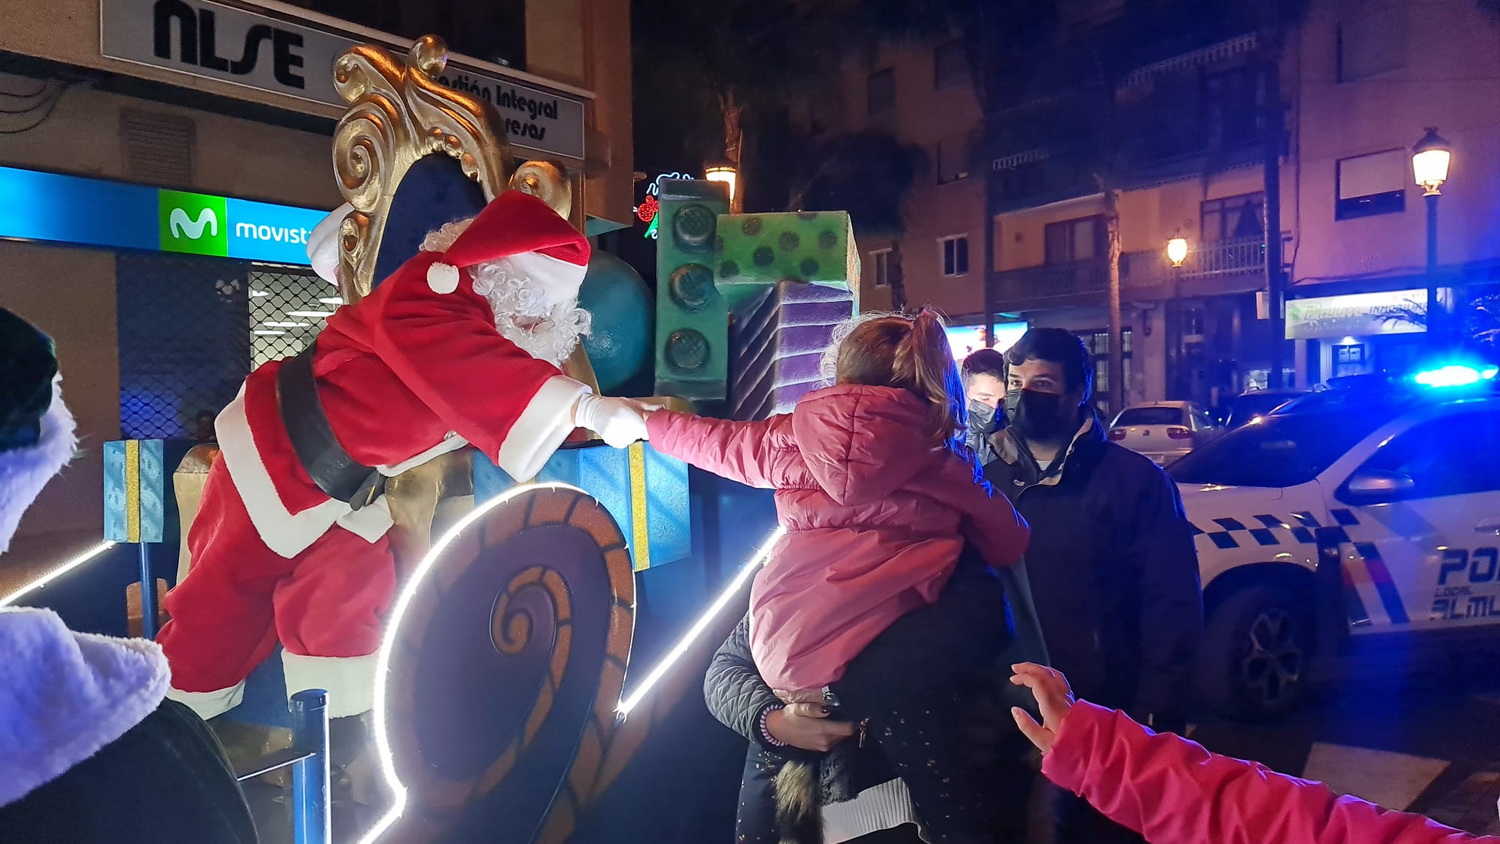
[1256, 650]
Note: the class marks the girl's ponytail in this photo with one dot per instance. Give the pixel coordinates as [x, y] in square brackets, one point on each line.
[925, 361]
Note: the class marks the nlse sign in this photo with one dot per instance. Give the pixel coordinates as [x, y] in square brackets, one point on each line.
[197, 31]
[244, 48]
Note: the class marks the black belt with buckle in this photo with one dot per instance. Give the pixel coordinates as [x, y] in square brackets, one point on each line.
[340, 476]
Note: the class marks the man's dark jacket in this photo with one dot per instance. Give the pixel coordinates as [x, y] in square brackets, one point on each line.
[1113, 571]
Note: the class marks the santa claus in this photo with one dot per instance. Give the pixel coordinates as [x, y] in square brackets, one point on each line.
[460, 346]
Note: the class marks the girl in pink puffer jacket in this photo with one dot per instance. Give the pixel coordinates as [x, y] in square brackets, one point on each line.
[878, 497]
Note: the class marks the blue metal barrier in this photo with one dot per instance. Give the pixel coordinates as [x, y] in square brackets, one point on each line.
[148, 593]
[308, 759]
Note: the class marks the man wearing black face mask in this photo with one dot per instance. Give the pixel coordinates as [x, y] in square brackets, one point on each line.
[984, 386]
[1113, 571]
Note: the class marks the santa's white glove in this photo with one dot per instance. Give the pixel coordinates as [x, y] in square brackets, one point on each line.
[619, 422]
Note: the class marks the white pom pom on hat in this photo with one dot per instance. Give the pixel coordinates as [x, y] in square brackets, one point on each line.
[442, 278]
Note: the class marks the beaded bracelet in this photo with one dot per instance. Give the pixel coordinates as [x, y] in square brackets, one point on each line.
[765, 730]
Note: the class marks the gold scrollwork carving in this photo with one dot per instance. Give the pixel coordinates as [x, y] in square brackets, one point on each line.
[399, 113]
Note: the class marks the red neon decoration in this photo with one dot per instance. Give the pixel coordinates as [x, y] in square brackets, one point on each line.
[646, 211]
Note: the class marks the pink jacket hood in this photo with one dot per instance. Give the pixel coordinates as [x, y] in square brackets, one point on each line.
[875, 520]
[856, 441]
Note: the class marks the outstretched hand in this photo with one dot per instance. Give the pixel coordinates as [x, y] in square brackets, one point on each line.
[619, 422]
[1053, 696]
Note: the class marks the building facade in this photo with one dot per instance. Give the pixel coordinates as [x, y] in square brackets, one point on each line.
[161, 163]
[1359, 82]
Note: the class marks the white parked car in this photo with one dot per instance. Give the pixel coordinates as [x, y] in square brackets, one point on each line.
[1164, 431]
[1364, 514]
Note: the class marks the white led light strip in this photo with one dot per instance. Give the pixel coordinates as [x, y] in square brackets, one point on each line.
[403, 603]
[680, 649]
[61, 570]
[393, 633]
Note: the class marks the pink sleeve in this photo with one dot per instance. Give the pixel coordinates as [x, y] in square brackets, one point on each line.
[990, 522]
[1173, 791]
[739, 451]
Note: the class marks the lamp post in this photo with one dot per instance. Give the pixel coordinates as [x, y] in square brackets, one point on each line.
[727, 174]
[1177, 249]
[1429, 165]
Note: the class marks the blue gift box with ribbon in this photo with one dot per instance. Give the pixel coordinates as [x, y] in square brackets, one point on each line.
[645, 491]
[135, 491]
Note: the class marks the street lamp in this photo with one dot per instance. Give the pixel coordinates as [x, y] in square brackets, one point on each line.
[1429, 166]
[724, 173]
[1177, 250]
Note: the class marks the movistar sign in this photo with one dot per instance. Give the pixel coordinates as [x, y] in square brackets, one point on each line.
[92, 212]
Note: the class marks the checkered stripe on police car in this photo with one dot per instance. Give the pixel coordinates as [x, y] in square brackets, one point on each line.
[1266, 530]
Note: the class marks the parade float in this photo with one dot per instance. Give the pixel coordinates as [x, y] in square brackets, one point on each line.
[548, 630]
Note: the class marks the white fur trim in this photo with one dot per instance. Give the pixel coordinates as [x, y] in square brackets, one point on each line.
[558, 280]
[323, 244]
[442, 278]
[349, 680]
[24, 471]
[286, 533]
[210, 704]
[451, 442]
[65, 695]
[368, 523]
[544, 424]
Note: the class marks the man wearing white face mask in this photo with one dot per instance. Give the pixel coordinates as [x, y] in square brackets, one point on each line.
[460, 346]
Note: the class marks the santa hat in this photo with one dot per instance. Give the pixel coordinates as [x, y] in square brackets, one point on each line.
[540, 245]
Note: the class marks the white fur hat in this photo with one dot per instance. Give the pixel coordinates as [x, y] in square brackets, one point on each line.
[65, 695]
[37, 433]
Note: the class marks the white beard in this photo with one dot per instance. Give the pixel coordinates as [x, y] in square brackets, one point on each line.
[548, 332]
[24, 471]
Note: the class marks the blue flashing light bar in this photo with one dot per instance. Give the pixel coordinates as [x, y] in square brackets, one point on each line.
[1455, 375]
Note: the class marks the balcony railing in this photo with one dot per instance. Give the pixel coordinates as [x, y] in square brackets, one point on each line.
[1051, 281]
[1035, 286]
[1204, 260]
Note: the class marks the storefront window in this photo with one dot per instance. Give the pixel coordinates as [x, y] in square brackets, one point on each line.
[191, 329]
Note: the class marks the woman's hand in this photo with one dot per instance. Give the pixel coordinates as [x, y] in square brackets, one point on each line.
[806, 726]
[1053, 696]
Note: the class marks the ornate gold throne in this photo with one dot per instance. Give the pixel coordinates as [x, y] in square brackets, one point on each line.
[411, 155]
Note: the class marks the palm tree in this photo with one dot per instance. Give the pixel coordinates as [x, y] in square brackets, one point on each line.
[708, 74]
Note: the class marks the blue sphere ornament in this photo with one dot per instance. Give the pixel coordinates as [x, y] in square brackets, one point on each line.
[620, 346]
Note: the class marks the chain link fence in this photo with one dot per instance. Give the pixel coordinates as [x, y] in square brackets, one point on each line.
[191, 329]
[286, 312]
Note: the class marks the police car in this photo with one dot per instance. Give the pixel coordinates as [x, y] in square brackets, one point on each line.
[1347, 512]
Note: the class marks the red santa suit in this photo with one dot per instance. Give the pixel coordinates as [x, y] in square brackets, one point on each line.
[416, 369]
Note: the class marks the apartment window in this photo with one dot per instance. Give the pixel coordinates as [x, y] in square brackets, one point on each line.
[881, 267]
[1069, 241]
[1371, 44]
[1234, 217]
[1367, 185]
[950, 64]
[955, 255]
[1233, 113]
[880, 95]
[953, 159]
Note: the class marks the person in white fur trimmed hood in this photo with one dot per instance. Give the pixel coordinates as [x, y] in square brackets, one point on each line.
[90, 750]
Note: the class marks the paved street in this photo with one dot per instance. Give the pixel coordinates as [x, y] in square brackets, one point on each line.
[1424, 738]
